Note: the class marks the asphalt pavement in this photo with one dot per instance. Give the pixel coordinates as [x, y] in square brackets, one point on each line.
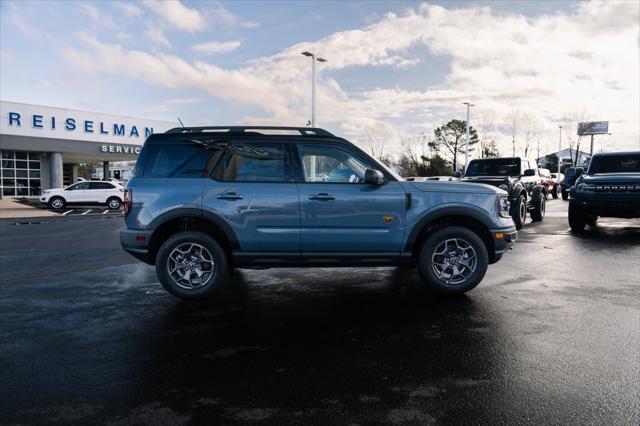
[88, 335]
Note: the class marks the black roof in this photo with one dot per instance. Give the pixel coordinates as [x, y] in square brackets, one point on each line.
[253, 130]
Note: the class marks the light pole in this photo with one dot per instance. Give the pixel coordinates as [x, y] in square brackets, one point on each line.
[466, 144]
[559, 149]
[313, 84]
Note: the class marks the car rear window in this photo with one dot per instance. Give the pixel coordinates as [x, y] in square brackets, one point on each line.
[101, 185]
[254, 162]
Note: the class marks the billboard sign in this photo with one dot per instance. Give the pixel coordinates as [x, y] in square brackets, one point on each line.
[593, 128]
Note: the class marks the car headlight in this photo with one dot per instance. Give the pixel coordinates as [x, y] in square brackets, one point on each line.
[584, 187]
[504, 187]
[503, 205]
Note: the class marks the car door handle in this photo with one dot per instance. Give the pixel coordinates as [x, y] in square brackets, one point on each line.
[322, 197]
[229, 196]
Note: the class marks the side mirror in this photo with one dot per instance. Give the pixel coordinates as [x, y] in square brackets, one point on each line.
[457, 174]
[373, 177]
[529, 172]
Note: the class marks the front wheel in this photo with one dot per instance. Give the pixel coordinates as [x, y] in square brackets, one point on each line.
[519, 212]
[453, 260]
[114, 203]
[57, 203]
[191, 265]
[577, 218]
[537, 214]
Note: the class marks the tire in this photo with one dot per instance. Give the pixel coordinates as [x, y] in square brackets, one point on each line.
[114, 203]
[436, 269]
[592, 219]
[577, 218]
[57, 203]
[519, 212]
[537, 214]
[565, 195]
[178, 281]
[555, 192]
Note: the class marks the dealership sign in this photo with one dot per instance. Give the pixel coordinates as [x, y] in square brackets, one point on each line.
[47, 122]
[593, 128]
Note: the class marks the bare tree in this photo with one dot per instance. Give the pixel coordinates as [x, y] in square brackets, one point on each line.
[513, 120]
[530, 125]
[486, 124]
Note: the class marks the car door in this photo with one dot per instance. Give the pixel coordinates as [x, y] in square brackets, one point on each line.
[341, 214]
[100, 191]
[77, 193]
[254, 191]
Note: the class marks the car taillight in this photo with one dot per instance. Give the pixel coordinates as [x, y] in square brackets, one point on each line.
[128, 201]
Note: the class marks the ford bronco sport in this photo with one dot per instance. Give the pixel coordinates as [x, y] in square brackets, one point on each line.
[610, 188]
[207, 199]
[519, 178]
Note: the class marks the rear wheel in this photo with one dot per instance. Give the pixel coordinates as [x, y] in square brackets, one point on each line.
[519, 212]
[555, 192]
[453, 260]
[192, 265]
[57, 203]
[577, 218]
[114, 203]
[537, 214]
[565, 195]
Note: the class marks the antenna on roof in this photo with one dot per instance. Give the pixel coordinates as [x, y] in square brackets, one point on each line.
[181, 122]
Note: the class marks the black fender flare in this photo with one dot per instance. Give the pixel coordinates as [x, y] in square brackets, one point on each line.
[467, 210]
[213, 217]
[536, 193]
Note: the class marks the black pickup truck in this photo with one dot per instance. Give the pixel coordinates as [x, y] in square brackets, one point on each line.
[519, 178]
[609, 188]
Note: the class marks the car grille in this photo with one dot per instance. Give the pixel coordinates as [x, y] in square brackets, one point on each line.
[615, 187]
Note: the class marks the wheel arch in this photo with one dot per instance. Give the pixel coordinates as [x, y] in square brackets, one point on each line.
[467, 217]
[192, 220]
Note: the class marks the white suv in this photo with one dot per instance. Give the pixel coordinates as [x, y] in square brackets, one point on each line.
[86, 192]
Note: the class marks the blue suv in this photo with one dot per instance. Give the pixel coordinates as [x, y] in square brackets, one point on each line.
[205, 200]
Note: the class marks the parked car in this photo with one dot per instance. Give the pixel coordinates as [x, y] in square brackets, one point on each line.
[549, 182]
[570, 175]
[519, 178]
[85, 193]
[208, 199]
[609, 188]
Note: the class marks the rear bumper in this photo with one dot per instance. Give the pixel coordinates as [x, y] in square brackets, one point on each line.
[503, 239]
[136, 243]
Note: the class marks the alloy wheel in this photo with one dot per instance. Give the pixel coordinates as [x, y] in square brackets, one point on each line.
[191, 266]
[454, 261]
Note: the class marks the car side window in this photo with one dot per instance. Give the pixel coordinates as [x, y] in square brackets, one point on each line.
[331, 164]
[101, 185]
[78, 186]
[255, 162]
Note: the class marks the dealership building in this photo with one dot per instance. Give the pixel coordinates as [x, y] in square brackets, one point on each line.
[42, 146]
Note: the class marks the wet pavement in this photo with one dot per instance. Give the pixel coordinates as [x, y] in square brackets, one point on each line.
[552, 335]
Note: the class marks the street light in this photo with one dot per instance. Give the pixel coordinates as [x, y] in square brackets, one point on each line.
[466, 144]
[313, 84]
[559, 149]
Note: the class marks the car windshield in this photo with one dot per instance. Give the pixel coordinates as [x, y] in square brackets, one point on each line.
[494, 167]
[623, 163]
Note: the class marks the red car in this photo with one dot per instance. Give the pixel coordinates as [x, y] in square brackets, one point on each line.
[548, 182]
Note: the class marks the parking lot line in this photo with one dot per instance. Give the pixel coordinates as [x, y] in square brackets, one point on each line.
[67, 212]
[105, 212]
[86, 212]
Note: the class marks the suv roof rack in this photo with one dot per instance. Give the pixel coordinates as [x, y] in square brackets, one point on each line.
[304, 131]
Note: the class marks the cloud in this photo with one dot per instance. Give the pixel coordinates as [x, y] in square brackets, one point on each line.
[129, 9]
[213, 47]
[98, 18]
[549, 66]
[171, 105]
[174, 13]
[229, 20]
[156, 36]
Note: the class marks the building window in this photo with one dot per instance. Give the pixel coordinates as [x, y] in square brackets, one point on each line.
[20, 173]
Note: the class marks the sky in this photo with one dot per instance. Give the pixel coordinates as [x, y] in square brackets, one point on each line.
[394, 70]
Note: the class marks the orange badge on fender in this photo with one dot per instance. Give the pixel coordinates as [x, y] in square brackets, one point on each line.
[387, 218]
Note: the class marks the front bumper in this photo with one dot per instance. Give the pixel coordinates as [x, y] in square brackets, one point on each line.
[136, 243]
[607, 205]
[503, 239]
